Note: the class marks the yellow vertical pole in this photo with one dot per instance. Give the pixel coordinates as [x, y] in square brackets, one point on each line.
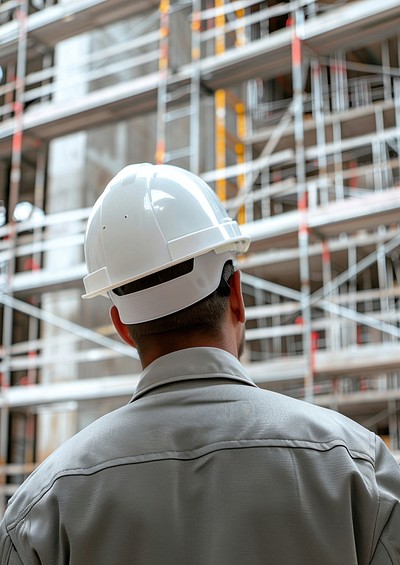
[219, 24]
[239, 150]
[220, 140]
[240, 32]
[220, 105]
[240, 112]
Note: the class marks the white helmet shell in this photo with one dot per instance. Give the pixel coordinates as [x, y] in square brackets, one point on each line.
[151, 217]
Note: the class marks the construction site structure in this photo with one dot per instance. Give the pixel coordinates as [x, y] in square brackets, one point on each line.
[289, 110]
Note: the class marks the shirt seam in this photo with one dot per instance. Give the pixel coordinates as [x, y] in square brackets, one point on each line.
[189, 456]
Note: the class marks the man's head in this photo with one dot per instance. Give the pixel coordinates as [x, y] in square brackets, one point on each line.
[160, 245]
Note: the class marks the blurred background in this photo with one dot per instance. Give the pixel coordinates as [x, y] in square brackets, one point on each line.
[290, 110]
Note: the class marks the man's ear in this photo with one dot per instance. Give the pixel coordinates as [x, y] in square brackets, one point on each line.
[121, 327]
[236, 298]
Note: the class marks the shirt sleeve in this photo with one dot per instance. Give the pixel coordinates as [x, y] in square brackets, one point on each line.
[8, 553]
[387, 530]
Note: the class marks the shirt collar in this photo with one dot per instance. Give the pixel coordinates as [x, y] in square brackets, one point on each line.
[190, 364]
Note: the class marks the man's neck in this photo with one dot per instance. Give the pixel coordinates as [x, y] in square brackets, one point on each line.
[154, 347]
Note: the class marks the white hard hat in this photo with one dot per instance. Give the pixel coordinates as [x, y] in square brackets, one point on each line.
[149, 218]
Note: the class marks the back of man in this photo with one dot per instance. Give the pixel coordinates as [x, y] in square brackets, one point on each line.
[202, 467]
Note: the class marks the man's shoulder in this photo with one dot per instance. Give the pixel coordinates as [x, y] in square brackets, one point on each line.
[81, 454]
[295, 420]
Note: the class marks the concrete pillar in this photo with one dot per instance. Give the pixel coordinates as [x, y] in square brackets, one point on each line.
[65, 190]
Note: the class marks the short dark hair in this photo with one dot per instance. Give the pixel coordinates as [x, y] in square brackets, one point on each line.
[203, 316]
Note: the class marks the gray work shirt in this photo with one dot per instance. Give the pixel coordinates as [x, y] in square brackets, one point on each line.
[204, 468]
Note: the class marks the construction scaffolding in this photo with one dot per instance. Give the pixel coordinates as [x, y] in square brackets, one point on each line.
[289, 110]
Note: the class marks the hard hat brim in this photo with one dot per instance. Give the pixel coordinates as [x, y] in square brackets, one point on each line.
[174, 295]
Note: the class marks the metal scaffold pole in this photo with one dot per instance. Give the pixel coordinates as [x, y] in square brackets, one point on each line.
[302, 203]
[195, 89]
[163, 82]
[15, 182]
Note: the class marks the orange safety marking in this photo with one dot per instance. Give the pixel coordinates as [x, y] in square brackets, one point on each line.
[296, 50]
